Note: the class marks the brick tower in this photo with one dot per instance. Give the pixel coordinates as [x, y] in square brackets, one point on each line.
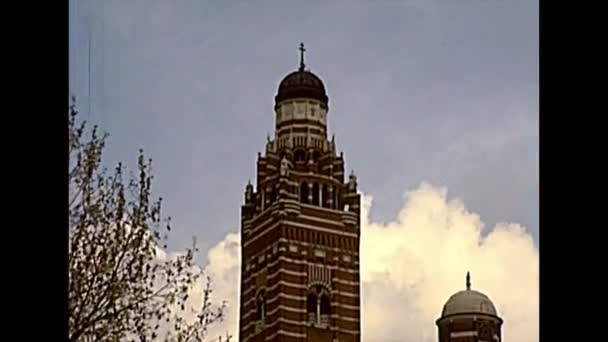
[300, 228]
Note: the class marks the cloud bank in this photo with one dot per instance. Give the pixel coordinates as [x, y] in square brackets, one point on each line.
[411, 265]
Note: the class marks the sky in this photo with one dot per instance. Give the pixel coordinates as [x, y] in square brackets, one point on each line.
[425, 96]
[413, 263]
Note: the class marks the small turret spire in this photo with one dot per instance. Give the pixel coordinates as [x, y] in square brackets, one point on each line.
[302, 49]
[248, 191]
[468, 280]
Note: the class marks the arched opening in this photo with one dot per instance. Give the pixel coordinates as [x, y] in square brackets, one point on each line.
[324, 199]
[311, 307]
[299, 156]
[304, 192]
[318, 306]
[315, 194]
[282, 155]
[261, 307]
[324, 309]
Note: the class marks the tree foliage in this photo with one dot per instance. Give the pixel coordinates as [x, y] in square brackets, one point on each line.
[122, 285]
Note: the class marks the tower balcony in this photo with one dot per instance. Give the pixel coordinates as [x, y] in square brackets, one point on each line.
[284, 206]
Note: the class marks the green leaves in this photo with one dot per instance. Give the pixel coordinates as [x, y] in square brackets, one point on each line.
[118, 287]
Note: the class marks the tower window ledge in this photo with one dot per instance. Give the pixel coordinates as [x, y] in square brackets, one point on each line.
[319, 325]
[334, 211]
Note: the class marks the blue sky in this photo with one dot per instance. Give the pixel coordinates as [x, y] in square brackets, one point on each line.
[439, 91]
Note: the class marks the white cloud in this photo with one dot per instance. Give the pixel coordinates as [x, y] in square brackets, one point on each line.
[223, 268]
[410, 267]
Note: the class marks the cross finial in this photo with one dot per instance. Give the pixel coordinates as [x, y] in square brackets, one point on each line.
[468, 280]
[302, 49]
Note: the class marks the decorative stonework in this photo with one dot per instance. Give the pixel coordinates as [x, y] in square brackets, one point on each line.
[295, 231]
[319, 275]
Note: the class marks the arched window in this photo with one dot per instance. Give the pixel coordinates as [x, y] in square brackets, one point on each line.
[300, 156]
[261, 307]
[318, 307]
[324, 199]
[315, 194]
[304, 192]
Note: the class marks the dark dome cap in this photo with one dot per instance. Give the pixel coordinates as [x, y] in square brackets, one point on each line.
[301, 84]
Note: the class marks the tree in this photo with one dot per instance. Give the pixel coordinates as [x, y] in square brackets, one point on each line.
[119, 287]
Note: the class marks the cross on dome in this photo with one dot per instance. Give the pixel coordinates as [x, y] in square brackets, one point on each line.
[302, 50]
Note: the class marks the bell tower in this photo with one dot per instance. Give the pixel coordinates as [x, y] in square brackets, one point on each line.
[300, 227]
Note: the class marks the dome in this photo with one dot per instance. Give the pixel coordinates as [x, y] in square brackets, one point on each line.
[469, 302]
[301, 83]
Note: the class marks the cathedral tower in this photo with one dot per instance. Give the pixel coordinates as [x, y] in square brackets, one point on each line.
[300, 227]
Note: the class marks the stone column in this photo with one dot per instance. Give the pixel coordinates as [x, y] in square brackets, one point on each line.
[321, 195]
